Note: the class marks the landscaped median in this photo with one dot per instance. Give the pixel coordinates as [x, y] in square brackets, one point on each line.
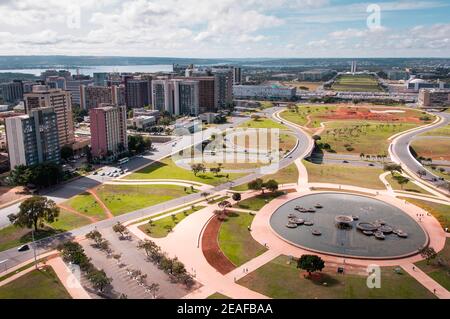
[439, 267]
[440, 211]
[167, 169]
[158, 227]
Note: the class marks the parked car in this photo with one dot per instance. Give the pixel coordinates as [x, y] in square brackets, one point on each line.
[23, 248]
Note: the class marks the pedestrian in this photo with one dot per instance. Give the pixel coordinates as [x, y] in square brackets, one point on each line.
[434, 291]
[414, 268]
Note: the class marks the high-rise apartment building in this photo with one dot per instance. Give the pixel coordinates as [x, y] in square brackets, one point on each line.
[237, 75]
[33, 138]
[138, 92]
[74, 87]
[100, 78]
[62, 105]
[176, 96]
[223, 87]
[434, 98]
[12, 92]
[93, 96]
[108, 130]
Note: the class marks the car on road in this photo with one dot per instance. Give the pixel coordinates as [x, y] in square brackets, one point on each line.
[23, 248]
[371, 164]
[345, 162]
[95, 173]
[102, 174]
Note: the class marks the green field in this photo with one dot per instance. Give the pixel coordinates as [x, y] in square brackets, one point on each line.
[162, 227]
[356, 83]
[440, 211]
[442, 131]
[37, 284]
[281, 279]
[167, 169]
[68, 221]
[344, 175]
[235, 239]
[121, 199]
[87, 205]
[263, 122]
[357, 137]
[300, 115]
[408, 187]
[286, 175]
[257, 202]
[440, 273]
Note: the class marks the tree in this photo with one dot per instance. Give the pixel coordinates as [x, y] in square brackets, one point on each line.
[271, 185]
[197, 168]
[66, 152]
[119, 228]
[224, 205]
[256, 117]
[392, 168]
[205, 194]
[20, 175]
[139, 143]
[256, 185]
[402, 180]
[428, 253]
[236, 197]
[73, 252]
[34, 211]
[310, 263]
[96, 236]
[153, 289]
[215, 170]
[421, 173]
[99, 279]
[149, 247]
[316, 138]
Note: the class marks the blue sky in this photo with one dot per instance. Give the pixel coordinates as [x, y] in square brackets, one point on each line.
[226, 28]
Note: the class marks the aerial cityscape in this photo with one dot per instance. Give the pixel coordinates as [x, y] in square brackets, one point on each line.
[229, 150]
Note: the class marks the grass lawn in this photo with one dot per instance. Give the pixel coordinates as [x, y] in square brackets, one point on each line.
[162, 227]
[442, 131]
[356, 83]
[278, 279]
[440, 211]
[286, 175]
[257, 202]
[314, 112]
[235, 239]
[435, 148]
[218, 296]
[86, 204]
[357, 137]
[263, 122]
[345, 175]
[121, 199]
[12, 236]
[408, 187]
[37, 284]
[439, 273]
[302, 85]
[68, 221]
[437, 171]
[168, 169]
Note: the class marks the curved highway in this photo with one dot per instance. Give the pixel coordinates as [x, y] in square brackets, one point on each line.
[400, 153]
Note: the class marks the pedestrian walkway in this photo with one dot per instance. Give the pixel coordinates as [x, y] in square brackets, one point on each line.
[108, 213]
[426, 281]
[68, 279]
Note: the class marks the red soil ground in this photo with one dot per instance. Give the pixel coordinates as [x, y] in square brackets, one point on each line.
[211, 249]
[344, 113]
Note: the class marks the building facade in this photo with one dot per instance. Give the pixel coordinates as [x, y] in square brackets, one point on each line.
[92, 96]
[60, 101]
[264, 92]
[74, 87]
[108, 130]
[33, 138]
[138, 93]
[12, 92]
[434, 98]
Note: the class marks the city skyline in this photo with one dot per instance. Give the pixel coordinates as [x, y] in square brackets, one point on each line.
[231, 29]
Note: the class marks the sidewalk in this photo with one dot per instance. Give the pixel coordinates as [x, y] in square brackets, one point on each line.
[426, 281]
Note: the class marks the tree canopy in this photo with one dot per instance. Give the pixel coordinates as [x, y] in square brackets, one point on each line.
[34, 211]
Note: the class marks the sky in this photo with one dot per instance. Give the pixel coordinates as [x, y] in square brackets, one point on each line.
[226, 28]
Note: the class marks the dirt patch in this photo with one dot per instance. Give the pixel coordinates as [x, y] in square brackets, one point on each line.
[211, 249]
[345, 113]
[8, 194]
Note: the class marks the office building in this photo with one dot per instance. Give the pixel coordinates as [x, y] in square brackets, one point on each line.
[118, 94]
[74, 87]
[434, 98]
[100, 78]
[397, 75]
[12, 92]
[60, 101]
[223, 89]
[33, 138]
[237, 75]
[418, 84]
[264, 92]
[108, 130]
[142, 122]
[176, 96]
[138, 92]
[56, 82]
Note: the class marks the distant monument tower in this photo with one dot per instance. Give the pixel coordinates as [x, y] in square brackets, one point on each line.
[353, 68]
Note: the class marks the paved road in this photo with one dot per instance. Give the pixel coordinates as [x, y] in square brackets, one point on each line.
[14, 257]
[400, 150]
